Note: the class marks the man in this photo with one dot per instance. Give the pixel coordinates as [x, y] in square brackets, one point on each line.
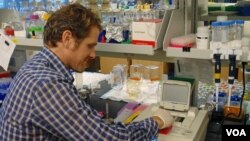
[43, 104]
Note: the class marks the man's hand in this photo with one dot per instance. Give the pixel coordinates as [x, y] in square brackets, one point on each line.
[163, 118]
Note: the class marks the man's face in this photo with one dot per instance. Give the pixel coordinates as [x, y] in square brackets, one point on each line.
[84, 53]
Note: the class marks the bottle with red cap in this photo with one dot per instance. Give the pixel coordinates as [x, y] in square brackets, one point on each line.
[9, 31]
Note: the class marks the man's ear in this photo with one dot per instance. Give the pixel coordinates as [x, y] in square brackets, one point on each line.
[67, 39]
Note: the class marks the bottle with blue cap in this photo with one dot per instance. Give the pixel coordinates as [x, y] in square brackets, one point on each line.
[221, 100]
[216, 31]
[239, 29]
[231, 30]
[225, 28]
[235, 100]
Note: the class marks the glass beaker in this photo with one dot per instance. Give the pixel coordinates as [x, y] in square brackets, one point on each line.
[118, 76]
[136, 71]
[151, 72]
[133, 88]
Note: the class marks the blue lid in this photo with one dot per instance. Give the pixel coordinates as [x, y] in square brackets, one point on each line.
[240, 21]
[215, 23]
[226, 23]
[231, 21]
[233, 98]
[221, 94]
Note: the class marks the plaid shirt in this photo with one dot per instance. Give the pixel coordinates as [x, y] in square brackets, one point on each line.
[43, 104]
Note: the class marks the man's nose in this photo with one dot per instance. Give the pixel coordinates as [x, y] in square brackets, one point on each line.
[93, 54]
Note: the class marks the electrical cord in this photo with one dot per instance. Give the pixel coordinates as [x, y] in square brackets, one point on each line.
[244, 86]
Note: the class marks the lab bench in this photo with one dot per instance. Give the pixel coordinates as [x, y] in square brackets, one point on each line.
[213, 134]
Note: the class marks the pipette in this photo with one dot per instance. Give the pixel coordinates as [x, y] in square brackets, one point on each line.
[217, 76]
[232, 66]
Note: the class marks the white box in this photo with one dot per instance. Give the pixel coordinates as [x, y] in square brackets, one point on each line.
[145, 32]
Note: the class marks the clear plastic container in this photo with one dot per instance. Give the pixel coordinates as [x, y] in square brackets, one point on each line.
[216, 31]
[235, 100]
[232, 30]
[136, 71]
[221, 100]
[239, 24]
[133, 88]
[151, 72]
[225, 31]
[118, 76]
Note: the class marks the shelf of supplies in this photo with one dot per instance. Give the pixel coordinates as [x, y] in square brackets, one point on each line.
[159, 55]
[230, 17]
[101, 47]
[125, 48]
[193, 53]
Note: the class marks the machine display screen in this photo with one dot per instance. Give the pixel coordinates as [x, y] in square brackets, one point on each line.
[175, 93]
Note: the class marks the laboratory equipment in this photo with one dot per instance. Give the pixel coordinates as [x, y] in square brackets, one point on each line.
[217, 76]
[232, 67]
[190, 123]
[216, 31]
[239, 29]
[134, 80]
[151, 73]
[118, 76]
[133, 88]
[176, 95]
[136, 71]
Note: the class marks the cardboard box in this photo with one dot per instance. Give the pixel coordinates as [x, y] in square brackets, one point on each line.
[145, 32]
[107, 63]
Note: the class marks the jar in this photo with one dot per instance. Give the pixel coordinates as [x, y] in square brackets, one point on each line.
[202, 37]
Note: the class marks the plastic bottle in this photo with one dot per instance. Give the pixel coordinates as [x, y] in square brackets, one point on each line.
[35, 27]
[235, 100]
[216, 31]
[221, 100]
[225, 31]
[202, 37]
[239, 29]
[231, 30]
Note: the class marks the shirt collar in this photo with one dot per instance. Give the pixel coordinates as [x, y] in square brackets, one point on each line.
[57, 64]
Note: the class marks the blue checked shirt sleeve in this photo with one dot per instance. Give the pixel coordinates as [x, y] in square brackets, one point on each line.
[58, 110]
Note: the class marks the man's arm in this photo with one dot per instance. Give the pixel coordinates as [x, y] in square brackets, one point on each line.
[59, 110]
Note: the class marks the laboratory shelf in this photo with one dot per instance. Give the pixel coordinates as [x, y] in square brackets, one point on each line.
[230, 17]
[192, 53]
[29, 42]
[142, 52]
[125, 48]
[25, 42]
[37, 44]
[159, 55]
